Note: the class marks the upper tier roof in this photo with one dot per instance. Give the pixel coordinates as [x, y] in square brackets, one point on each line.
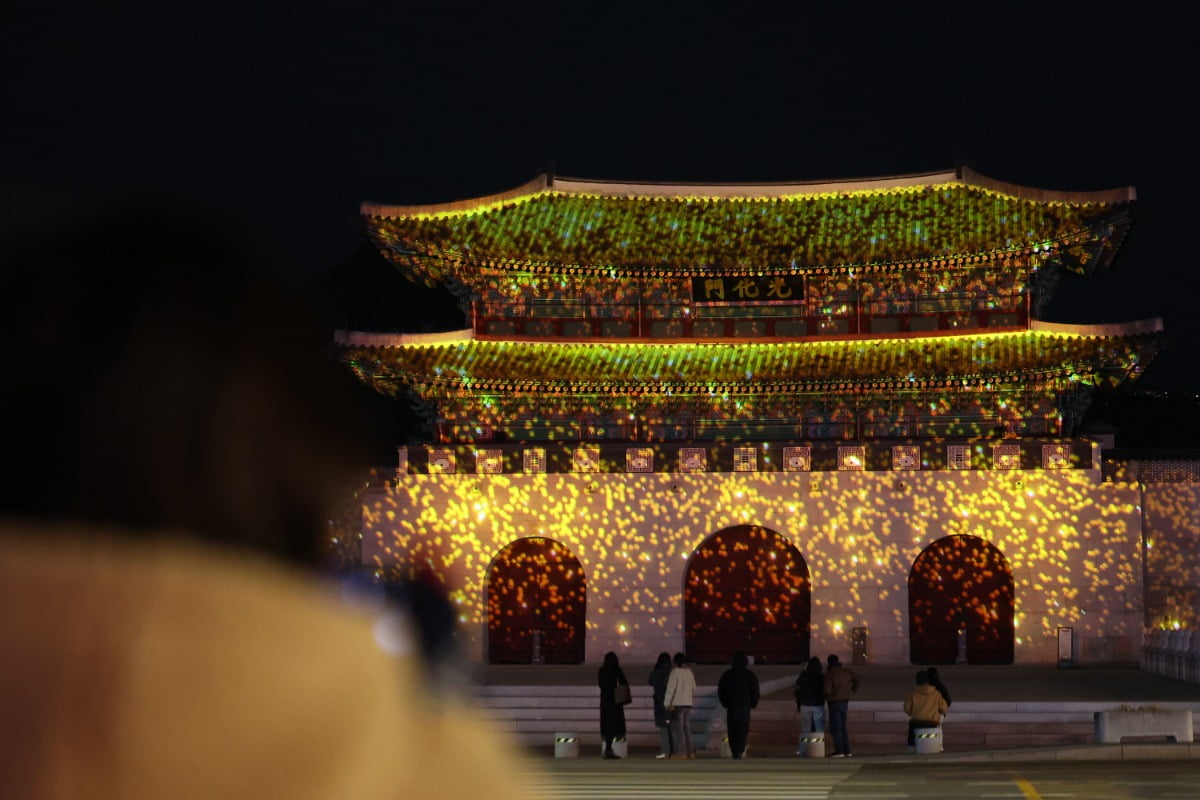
[445, 364]
[556, 225]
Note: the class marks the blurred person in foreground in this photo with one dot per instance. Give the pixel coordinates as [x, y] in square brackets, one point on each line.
[175, 441]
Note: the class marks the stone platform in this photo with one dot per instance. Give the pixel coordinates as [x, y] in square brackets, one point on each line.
[995, 707]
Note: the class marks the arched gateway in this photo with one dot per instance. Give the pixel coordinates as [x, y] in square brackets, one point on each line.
[747, 588]
[536, 585]
[960, 582]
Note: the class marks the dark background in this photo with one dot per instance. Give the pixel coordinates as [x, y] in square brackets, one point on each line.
[285, 117]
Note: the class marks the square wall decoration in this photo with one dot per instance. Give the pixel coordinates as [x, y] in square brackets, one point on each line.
[441, 461]
[586, 458]
[797, 459]
[958, 456]
[852, 457]
[745, 459]
[639, 459]
[534, 460]
[1006, 456]
[489, 462]
[1056, 456]
[906, 457]
[693, 459]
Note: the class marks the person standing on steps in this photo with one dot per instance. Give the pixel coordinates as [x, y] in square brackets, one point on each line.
[737, 690]
[662, 720]
[810, 697]
[840, 683]
[612, 713]
[681, 691]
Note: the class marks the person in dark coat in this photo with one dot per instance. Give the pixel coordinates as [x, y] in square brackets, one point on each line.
[810, 697]
[738, 692]
[840, 683]
[662, 720]
[612, 715]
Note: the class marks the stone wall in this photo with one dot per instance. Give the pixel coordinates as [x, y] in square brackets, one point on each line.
[1072, 541]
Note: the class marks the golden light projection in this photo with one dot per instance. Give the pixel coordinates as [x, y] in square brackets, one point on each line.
[961, 583]
[747, 589]
[537, 603]
[1071, 543]
[684, 418]
[1172, 518]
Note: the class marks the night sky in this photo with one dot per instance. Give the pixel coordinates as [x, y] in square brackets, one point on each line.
[285, 117]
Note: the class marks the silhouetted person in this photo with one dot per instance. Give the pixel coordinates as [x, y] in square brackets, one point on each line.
[810, 697]
[612, 713]
[662, 720]
[737, 690]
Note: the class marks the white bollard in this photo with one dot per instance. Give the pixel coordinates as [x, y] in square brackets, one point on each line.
[929, 740]
[566, 745]
[812, 745]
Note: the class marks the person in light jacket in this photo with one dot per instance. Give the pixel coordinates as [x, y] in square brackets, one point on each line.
[681, 691]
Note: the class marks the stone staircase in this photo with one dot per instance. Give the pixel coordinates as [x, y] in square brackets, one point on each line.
[532, 715]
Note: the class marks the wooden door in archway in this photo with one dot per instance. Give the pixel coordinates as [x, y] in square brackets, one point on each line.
[960, 582]
[536, 584]
[747, 588]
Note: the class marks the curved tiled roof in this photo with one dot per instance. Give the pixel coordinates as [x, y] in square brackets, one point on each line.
[596, 227]
[809, 366]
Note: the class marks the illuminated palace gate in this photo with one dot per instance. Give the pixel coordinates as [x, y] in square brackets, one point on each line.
[960, 582]
[536, 584]
[747, 588]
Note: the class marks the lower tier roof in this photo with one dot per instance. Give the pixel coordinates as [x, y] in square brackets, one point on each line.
[438, 365]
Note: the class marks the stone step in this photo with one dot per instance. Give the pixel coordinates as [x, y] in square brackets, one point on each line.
[533, 715]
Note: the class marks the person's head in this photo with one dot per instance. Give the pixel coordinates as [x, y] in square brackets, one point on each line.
[814, 665]
[664, 660]
[933, 674]
[740, 660]
[680, 660]
[922, 677]
[833, 660]
[160, 381]
[610, 660]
